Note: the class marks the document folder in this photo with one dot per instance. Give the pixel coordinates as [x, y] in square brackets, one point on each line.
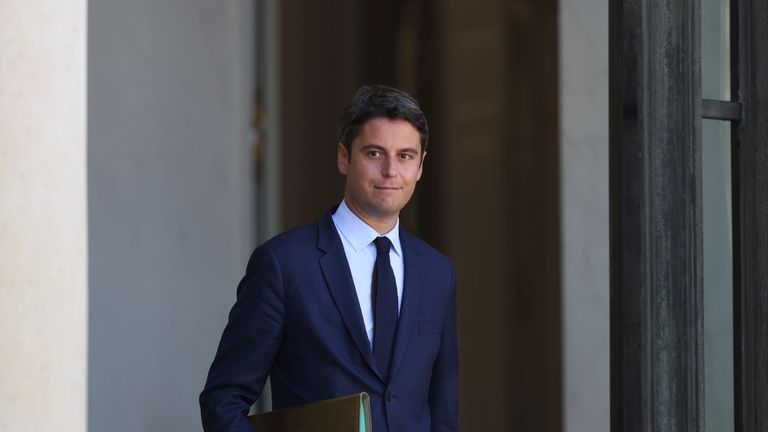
[345, 414]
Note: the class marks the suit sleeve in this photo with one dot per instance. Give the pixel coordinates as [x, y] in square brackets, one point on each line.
[247, 348]
[443, 391]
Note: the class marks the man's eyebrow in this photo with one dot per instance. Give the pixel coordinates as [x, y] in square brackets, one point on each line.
[372, 147]
[379, 147]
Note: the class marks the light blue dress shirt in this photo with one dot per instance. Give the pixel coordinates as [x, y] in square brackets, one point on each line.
[357, 238]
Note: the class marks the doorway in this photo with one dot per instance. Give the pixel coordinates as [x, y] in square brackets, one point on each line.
[486, 76]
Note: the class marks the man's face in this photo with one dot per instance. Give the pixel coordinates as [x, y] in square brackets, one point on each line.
[385, 164]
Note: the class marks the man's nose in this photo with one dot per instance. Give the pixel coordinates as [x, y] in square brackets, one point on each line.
[388, 167]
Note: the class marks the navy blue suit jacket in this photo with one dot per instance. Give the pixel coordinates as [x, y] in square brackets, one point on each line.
[298, 320]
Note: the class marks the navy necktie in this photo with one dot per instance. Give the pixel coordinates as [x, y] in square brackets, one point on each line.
[384, 306]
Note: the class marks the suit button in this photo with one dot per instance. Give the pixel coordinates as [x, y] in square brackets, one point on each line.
[389, 396]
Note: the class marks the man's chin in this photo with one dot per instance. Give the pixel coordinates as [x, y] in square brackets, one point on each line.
[386, 211]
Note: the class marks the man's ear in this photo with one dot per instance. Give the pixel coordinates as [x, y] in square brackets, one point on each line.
[342, 158]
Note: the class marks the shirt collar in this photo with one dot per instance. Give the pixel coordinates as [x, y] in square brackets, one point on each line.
[358, 233]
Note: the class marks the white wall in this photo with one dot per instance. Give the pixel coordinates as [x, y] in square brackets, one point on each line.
[43, 269]
[584, 186]
[170, 201]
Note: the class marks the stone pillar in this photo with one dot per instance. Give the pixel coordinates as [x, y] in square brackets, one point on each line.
[43, 286]
[170, 201]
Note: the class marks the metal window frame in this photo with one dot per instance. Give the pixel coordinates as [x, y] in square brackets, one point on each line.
[656, 228]
[656, 231]
[749, 159]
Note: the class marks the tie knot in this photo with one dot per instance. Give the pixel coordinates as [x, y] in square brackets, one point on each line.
[382, 245]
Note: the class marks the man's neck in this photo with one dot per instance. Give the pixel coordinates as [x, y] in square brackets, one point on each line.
[380, 225]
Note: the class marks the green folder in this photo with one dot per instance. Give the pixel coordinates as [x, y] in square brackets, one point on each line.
[344, 414]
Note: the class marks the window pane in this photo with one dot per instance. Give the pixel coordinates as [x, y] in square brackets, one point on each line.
[718, 271]
[715, 49]
[718, 251]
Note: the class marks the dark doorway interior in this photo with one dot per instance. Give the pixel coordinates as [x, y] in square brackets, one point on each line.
[486, 75]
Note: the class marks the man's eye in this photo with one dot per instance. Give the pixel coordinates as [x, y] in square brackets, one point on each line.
[406, 156]
[374, 153]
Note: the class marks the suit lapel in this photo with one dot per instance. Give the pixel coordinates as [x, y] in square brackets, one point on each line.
[339, 280]
[412, 291]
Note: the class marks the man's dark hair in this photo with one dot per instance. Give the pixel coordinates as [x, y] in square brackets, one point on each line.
[380, 101]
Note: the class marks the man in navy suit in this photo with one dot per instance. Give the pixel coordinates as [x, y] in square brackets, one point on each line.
[353, 302]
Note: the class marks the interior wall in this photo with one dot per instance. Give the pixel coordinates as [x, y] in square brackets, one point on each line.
[43, 234]
[583, 26]
[319, 73]
[170, 201]
[476, 213]
[502, 211]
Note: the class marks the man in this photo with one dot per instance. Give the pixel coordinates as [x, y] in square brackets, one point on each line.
[352, 303]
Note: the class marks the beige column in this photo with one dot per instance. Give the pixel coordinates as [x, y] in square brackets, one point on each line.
[43, 287]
